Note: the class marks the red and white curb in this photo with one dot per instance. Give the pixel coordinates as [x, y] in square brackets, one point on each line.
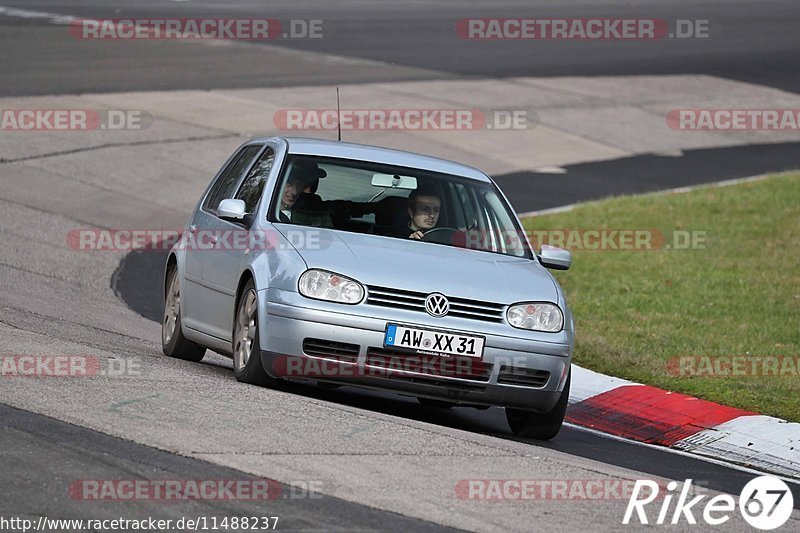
[647, 414]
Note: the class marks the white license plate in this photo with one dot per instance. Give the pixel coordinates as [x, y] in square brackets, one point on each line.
[430, 342]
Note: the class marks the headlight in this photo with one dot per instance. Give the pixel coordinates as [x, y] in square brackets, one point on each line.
[323, 285]
[536, 316]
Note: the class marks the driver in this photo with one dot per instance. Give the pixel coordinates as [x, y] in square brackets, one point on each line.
[424, 205]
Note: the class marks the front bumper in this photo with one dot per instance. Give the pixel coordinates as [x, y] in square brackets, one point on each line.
[287, 319]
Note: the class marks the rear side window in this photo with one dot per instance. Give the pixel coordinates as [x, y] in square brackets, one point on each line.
[226, 184]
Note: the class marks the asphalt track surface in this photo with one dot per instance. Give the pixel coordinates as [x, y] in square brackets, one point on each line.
[748, 41]
[750, 44]
[68, 453]
[534, 191]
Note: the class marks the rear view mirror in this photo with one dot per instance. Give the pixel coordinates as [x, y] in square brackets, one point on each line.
[554, 257]
[231, 209]
[393, 181]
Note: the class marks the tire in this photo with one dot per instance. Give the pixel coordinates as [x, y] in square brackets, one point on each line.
[246, 349]
[542, 426]
[173, 343]
[430, 402]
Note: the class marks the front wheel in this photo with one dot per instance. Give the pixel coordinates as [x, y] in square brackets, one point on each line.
[542, 426]
[173, 343]
[247, 365]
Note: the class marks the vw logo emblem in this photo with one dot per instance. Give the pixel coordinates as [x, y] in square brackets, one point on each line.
[436, 304]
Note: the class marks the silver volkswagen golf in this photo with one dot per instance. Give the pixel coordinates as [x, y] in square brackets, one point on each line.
[337, 263]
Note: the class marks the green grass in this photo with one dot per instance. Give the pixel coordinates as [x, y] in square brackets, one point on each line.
[737, 295]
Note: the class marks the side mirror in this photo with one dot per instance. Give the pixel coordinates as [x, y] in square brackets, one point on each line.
[231, 209]
[554, 257]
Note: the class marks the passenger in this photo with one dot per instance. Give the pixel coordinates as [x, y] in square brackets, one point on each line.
[424, 205]
[291, 191]
[301, 204]
[307, 208]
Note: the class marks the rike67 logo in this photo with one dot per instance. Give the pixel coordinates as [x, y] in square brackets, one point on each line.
[765, 503]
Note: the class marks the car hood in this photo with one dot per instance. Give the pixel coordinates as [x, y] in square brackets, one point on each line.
[426, 267]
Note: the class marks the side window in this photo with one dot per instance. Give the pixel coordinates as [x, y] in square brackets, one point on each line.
[253, 185]
[229, 179]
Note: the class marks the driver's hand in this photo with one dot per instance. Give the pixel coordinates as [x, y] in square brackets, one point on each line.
[416, 235]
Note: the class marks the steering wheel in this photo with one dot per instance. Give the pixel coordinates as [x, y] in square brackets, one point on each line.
[441, 235]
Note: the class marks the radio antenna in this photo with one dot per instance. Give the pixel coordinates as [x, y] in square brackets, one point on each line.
[338, 114]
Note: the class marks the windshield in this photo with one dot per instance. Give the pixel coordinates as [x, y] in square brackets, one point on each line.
[399, 202]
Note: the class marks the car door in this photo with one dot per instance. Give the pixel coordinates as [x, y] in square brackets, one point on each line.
[223, 267]
[197, 296]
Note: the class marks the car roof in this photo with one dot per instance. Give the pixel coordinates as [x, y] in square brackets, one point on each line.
[377, 154]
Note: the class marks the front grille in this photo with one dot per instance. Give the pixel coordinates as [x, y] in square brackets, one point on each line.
[331, 350]
[415, 301]
[526, 377]
[466, 368]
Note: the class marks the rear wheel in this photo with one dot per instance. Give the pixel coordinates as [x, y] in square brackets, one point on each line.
[173, 343]
[247, 365]
[543, 426]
